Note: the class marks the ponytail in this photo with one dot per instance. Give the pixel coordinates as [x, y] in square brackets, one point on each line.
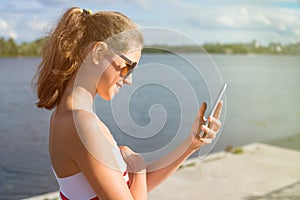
[63, 52]
[58, 63]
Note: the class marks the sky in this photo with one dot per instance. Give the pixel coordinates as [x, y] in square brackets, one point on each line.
[205, 21]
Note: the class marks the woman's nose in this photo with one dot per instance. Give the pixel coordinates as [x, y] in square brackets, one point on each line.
[128, 79]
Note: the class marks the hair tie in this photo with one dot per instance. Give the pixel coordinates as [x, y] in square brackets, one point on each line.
[86, 13]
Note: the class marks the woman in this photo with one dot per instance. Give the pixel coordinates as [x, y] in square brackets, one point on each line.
[88, 54]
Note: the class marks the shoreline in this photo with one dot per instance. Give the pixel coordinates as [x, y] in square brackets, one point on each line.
[248, 174]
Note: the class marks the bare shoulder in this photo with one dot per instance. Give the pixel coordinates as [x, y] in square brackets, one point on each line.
[84, 117]
[75, 132]
[89, 123]
[69, 124]
[93, 134]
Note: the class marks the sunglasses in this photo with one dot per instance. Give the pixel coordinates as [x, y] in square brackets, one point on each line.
[130, 65]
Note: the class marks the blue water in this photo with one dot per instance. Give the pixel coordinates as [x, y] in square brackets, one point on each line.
[262, 104]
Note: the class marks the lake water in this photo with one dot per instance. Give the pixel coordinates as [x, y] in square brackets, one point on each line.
[262, 104]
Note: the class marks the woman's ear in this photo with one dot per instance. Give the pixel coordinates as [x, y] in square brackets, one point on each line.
[98, 52]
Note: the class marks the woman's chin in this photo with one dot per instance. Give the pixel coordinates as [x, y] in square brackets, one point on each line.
[109, 95]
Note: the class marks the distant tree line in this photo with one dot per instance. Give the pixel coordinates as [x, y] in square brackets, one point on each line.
[254, 48]
[218, 48]
[9, 48]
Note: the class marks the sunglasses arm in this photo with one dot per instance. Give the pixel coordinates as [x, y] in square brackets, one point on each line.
[119, 54]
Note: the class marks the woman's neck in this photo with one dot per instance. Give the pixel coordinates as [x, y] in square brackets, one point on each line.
[78, 95]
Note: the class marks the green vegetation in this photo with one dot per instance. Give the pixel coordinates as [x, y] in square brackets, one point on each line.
[234, 150]
[9, 48]
[217, 48]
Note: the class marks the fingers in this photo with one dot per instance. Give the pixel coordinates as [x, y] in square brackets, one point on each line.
[123, 151]
[206, 141]
[202, 110]
[213, 127]
[201, 116]
[209, 134]
[126, 151]
[217, 113]
[125, 148]
[214, 123]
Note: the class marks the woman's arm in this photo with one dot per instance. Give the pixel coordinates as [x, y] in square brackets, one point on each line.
[136, 167]
[166, 166]
[92, 151]
[158, 174]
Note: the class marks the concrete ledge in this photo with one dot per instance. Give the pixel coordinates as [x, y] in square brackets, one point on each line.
[259, 172]
[256, 172]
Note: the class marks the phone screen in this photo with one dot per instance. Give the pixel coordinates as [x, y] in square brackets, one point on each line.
[215, 104]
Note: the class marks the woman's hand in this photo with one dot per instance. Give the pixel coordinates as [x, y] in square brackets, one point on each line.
[135, 162]
[210, 131]
[136, 168]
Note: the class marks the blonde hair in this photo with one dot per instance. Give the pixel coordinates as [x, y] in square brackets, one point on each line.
[64, 50]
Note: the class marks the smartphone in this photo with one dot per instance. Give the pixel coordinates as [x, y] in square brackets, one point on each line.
[213, 109]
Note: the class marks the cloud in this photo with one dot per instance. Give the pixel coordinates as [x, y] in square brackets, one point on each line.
[35, 24]
[235, 20]
[297, 31]
[26, 23]
[3, 24]
[12, 34]
[216, 20]
[32, 28]
[6, 31]
[17, 6]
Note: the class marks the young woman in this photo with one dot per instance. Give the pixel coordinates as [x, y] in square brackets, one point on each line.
[88, 54]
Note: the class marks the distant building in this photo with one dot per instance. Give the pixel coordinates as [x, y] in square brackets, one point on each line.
[256, 44]
[277, 47]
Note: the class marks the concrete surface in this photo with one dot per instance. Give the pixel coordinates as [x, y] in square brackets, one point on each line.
[260, 172]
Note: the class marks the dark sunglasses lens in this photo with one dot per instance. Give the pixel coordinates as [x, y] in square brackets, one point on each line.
[128, 70]
[124, 71]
